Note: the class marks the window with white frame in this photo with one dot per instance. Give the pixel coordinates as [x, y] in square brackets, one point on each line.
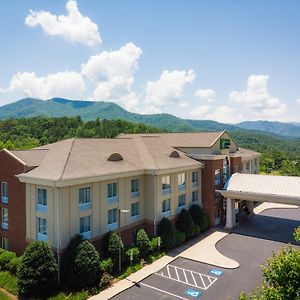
[134, 185]
[181, 179]
[4, 243]
[42, 228]
[181, 200]
[134, 209]
[217, 177]
[166, 182]
[195, 177]
[4, 218]
[84, 224]
[4, 191]
[195, 196]
[112, 216]
[112, 190]
[255, 162]
[166, 205]
[248, 165]
[42, 197]
[84, 196]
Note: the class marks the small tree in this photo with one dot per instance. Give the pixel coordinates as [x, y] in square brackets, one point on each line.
[37, 273]
[166, 232]
[114, 245]
[105, 243]
[196, 214]
[184, 223]
[143, 242]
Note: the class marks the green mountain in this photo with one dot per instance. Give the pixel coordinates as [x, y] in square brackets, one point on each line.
[89, 110]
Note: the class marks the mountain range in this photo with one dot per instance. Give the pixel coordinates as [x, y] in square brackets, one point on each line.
[90, 110]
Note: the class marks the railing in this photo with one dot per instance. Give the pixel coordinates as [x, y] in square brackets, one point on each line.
[85, 206]
[166, 191]
[42, 237]
[4, 199]
[112, 200]
[180, 208]
[112, 226]
[181, 187]
[4, 226]
[135, 194]
[42, 208]
[135, 218]
[195, 183]
[86, 234]
[166, 213]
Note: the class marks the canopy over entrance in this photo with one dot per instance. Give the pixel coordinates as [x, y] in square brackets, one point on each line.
[259, 188]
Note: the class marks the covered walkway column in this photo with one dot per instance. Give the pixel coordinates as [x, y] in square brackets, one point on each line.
[250, 206]
[229, 214]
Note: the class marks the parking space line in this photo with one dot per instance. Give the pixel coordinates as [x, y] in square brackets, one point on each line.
[202, 285]
[162, 291]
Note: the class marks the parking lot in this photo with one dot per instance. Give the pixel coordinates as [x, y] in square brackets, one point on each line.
[250, 244]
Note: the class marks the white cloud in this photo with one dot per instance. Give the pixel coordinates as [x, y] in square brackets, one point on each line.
[258, 99]
[200, 111]
[168, 89]
[298, 100]
[113, 73]
[73, 27]
[62, 84]
[206, 94]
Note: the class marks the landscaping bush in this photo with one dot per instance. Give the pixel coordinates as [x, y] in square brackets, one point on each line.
[184, 223]
[196, 229]
[8, 282]
[143, 242]
[105, 243]
[106, 265]
[14, 264]
[166, 232]
[114, 245]
[84, 266]
[196, 214]
[135, 254]
[180, 237]
[105, 281]
[37, 273]
[5, 258]
[154, 244]
[205, 224]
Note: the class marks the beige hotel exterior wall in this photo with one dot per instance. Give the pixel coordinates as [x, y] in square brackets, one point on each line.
[69, 212]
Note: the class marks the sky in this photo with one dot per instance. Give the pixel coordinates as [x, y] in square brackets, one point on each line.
[227, 61]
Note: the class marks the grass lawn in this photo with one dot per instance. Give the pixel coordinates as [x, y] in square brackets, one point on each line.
[3, 296]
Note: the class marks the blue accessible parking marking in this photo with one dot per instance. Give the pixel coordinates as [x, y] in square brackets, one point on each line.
[216, 272]
[193, 293]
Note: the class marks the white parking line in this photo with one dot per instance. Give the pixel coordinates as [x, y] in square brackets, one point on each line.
[165, 292]
[192, 274]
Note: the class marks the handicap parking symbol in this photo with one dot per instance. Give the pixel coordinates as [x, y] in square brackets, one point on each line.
[193, 293]
[216, 272]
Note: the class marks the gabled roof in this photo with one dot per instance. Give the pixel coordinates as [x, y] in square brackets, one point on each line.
[31, 158]
[184, 140]
[245, 153]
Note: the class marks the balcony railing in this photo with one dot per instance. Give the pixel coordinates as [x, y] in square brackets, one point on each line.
[135, 194]
[4, 226]
[4, 199]
[195, 183]
[112, 200]
[85, 206]
[112, 226]
[180, 208]
[42, 208]
[42, 237]
[181, 187]
[87, 235]
[166, 213]
[166, 191]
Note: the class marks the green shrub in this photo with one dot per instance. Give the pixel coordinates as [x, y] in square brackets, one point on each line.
[9, 282]
[105, 281]
[14, 264]
[130, 270]
[180, 237]
[5, 258]
[105, 243]
[156, 244]
[135, 254]
[84, 266]
[114, 245]
[106, 265]
[166, 232]
[184, 223]
[196, 214]
[205, 224]
[37, 273]
[196, 229]
[143, 242]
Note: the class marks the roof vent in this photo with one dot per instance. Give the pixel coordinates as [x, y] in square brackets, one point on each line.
[115, 157]
[174, 154]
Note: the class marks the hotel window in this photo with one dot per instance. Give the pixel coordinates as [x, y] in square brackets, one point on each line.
[4, 218]
[84, 199]
[41, 229]
[4, 243]
[134, 209]
[166, 183]
[195, 196]
[134, 187]
[42, 197]
[112, 216]
[217, 177]
[85, 226]
[255, 162]
[4, 192]
[248, 165]
[112, 190]
[166, 205]
[181, 179]
[195, 178]
[181, 200]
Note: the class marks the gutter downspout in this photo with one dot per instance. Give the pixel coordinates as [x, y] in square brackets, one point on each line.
[155, 202]
[58, 233]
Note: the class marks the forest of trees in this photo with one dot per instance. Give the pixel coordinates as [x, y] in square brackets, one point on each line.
[280, 156]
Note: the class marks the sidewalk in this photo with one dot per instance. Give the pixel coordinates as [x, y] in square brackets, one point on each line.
[200, 249]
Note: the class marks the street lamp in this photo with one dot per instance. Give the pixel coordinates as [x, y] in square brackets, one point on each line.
[119, 230]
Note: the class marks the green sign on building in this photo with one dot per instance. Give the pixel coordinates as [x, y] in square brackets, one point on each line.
[224, 144]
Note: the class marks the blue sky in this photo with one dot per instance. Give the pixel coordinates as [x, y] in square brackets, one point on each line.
[223, 60]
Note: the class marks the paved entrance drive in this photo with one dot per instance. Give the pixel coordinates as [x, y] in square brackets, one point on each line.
[251, 244]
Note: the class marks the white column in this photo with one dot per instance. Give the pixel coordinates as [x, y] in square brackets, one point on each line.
[233, 213]
[229, 217]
